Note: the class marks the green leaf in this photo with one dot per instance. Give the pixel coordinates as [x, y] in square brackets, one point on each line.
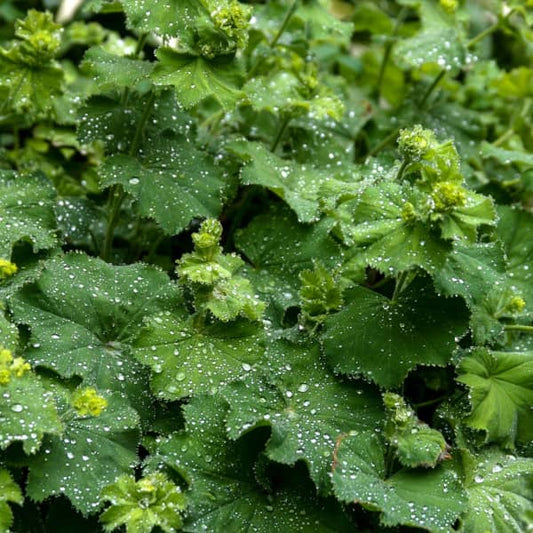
[27, 412]
[439, 41]
[172, 181]
[506, 157]
[9, 334]
[9, 492]
[111, 72]
[91, 453]
[279, 248]
[429, 499]
[27, 71]
[501, 394]
[142, 505]
[196, 78]
[500, 492]
[188, 359]
[84, 313]
[222, 484]
[303, 404]
[461, 222]
[26, 211]
[419, 328]
[514, 229]
[298, 185]
[390, 239]
[167, 17]
[284, 94]
[471, 271]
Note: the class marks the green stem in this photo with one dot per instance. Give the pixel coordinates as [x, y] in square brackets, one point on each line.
[401, 170]
[284, 24]
[430, 402]
[502, 138]
[280, 133]
[389, 461]
[118, 195]
[140, 45]
[518, 327]
[400, 284]
[432, 87]
[390, 137]
[388, 50]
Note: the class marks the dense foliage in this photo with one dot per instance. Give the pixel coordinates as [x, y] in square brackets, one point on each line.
[266, 266]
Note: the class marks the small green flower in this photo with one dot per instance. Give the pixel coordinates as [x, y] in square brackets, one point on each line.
[7, 269]
[415, 143]
[450, 6]
[87, 402]
[448, 195]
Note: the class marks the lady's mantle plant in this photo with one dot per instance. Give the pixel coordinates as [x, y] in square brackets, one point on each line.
[266, 266]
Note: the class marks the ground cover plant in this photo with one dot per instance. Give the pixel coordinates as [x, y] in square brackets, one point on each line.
[266, 266]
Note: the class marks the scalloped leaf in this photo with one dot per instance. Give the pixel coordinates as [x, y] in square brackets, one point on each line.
[500, 492]
[187, 359]
[303, 404]
[419, 328]
[279, 248]
[514, 229]
[429, 499]
[298, 185]
[222, 484]
[9, 492]
[501, 394]
[84, 313]
[26, 211]
[196, 78]
[172, 181]
[92, 452]
[27, 412]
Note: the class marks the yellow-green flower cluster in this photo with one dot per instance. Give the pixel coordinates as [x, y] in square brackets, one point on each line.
[87, 402]
[515, 305]
[7, 269]
[11, 367]
[415, 143]
[40, 36]
[450, 6]
[447, 195]
[232, 19]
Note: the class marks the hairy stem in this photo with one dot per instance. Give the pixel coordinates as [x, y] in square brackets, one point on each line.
[284, 24]
[388, 50]
[387, 140]
[432, 87]
[518, 327]
[281, 131]
[117, 194]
